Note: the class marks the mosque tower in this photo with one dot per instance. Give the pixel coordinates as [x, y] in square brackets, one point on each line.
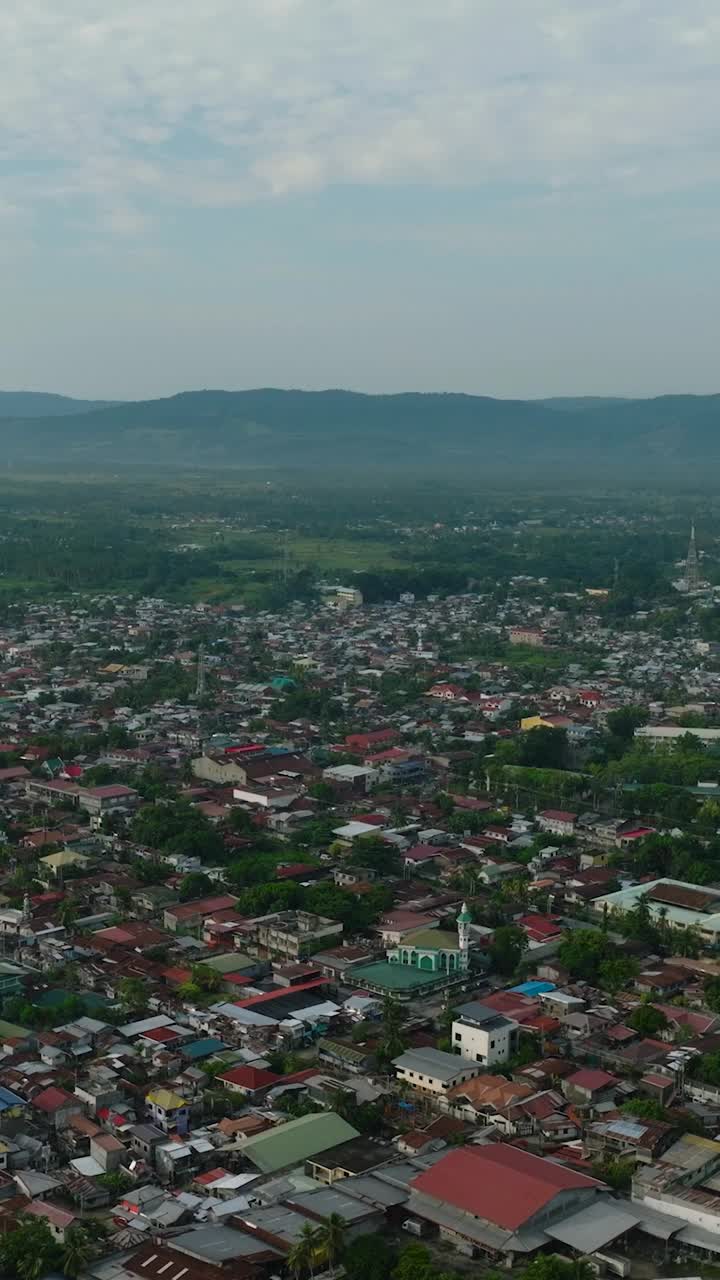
[464, 921]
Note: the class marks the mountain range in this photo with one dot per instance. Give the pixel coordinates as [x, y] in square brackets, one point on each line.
[666, 439]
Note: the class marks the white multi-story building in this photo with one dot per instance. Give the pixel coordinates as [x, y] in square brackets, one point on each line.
[481, 1035]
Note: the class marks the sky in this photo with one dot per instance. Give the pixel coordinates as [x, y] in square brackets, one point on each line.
[503, 197]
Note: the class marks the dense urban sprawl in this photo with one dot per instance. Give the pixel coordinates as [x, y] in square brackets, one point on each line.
[380, 939]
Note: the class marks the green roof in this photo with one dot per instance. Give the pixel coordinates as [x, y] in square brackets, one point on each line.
[432, 940]
[11, 1031]
[234, 963]
[55, 996]
[296, 1141]
[204, 1048]
[397, 977]
[348, 1052]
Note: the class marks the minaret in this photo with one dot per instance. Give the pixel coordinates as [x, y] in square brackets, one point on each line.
[692, 564]
[26, 909]
[464, 921]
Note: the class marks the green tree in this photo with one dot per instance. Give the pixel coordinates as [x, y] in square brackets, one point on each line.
[195, 885]
[544, 748]
[582, 951]
[240, 822]
[369, 1257]
[30, 1250]
[391, 1040]
[507, 948]
[616, 973]
[116, 1182]
[68, 912]
[648, 1020]
[374, 853]
[206, 978]
[322, 791]
[332, 1237]
[132, 995]
[644, 1109]
[623, 722]
[414, 1263]
[304, 1253]
[711, 994]
[617, 1173]
[78, 1251]
[551, 1267]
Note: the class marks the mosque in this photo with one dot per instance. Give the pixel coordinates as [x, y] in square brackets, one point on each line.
[425, 961]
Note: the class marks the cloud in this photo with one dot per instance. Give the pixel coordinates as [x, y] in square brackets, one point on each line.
[222, 102]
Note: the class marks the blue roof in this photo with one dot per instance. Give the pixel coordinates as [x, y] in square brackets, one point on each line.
[9, 1099]
[533, 988]
[203, 1048]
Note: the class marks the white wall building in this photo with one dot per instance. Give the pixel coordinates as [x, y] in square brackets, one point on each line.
[432, 1071]
[481, 1035]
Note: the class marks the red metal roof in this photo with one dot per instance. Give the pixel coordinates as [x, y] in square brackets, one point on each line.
[250, 1078]
[281, 991]
[50, 1099]
[161, 1035]
[202, 906]
[589, 1079]
[212, 1175]
[499, 1183]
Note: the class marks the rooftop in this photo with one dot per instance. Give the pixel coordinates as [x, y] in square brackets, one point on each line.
[498, 1183]
[297, 1140]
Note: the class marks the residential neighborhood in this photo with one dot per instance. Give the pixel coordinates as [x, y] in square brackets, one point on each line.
[318, 931]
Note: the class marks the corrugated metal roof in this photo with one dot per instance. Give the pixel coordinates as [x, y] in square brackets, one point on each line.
[297, 1140]
[593, 1227]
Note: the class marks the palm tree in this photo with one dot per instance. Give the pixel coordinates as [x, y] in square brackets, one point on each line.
[31, 1267]
[78, 1251]
[392, 1020]
[467, 880]
[302, 1256]
[332, 1238]
[67, 913]
[663, 926]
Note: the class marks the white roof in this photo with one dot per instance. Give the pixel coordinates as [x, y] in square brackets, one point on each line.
[233, 1181]
[246, 1016]
[88, 1166]
[222, 1208]
[132, 1029]
[353, 829]
[325, 1010]
[347, 771]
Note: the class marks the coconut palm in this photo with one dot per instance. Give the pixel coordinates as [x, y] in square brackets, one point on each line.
[303, 1254]
[331, 1238]
[392, 1044]
[78, 1251]
[31, 1267]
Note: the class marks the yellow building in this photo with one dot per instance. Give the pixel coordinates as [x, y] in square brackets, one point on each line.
[537, 722]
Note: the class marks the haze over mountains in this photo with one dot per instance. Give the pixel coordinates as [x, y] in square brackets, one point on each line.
[671, 438]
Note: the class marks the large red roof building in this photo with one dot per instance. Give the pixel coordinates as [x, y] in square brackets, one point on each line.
[503, 1200]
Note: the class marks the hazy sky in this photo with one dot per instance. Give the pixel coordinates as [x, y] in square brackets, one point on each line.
[511, 197]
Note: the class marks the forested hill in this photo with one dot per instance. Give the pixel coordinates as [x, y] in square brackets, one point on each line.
[43, 404]
[672, 438]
